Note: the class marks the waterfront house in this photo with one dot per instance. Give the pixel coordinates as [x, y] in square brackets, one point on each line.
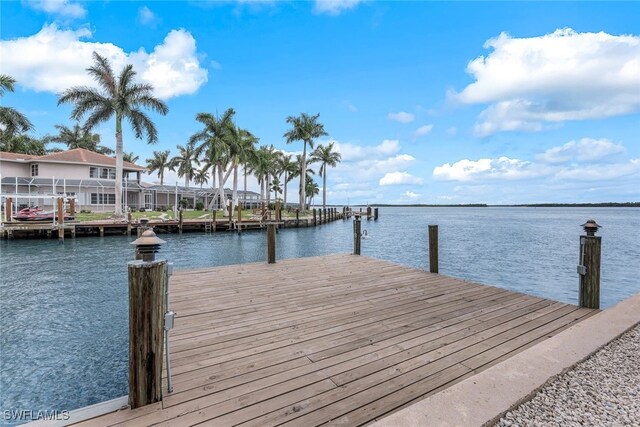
[89, 177]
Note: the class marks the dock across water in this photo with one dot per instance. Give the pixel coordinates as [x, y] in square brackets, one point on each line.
[338, 339]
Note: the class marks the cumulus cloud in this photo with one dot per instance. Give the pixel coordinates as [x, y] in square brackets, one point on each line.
[63, 8]
[585, 150]
[334, 7]
[401, 117]
[410, 195]
[576, 161]
[423, 130]
[352, 152]
[55, 59]
[147, 17]
[565, 75]
[398, 178]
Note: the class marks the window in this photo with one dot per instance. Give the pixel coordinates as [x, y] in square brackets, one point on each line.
[93, 172]
[102, 173]
[103, 199]
[112, 174]
[34, 170]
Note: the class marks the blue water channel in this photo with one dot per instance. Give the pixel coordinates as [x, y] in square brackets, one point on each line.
[63, 320]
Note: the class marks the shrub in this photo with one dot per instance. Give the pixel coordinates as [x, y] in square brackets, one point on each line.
[184, 203]
[199, 205]
[85, 211]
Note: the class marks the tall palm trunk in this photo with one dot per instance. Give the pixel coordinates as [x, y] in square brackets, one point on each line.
[119, 166]
[220, 194]
[268, 188]
[324, 186]
[187, 178]
[303, 170]
[162, 177]
[234, 195]
[245, 181]
[285, 189]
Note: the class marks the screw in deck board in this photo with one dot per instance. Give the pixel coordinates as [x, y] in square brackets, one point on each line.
[356, 235]
[433, 248]
[589, 267]
[271, 243]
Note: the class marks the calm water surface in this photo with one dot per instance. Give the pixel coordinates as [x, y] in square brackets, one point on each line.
[63, 320]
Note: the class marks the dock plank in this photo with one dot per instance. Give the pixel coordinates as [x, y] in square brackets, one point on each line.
[337, 339]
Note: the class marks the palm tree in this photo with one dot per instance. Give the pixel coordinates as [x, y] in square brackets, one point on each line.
[311, 189]
[159, 162]
[201, 177]
[11, 120]
[183, 163]
[246, 153]
[263, 167]
[275, 186]
[327, 157]
[79, 137]
[25, 144]
[288, 168]
[305, 128]
[214, 139]
[130, 157]
[121, 97]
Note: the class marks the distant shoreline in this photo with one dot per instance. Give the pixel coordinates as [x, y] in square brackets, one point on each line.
[529, 205]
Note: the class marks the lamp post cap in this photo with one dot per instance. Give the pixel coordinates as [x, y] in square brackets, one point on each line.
[148, 238]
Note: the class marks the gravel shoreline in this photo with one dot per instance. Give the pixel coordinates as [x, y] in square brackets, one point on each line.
[604, 390]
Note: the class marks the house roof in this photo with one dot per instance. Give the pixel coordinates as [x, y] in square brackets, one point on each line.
[14, 156]
[81, 155]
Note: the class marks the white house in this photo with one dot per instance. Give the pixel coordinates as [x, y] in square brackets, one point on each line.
[90, 178]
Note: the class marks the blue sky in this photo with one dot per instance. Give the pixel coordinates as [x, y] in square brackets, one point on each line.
[428, 102]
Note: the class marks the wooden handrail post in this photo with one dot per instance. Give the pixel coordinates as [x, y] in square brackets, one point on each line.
[356, 235]
[271, 243]
[589, 267]
[433, 248]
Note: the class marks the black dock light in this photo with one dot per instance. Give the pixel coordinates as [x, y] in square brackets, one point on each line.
[147, 245]
[590, 227]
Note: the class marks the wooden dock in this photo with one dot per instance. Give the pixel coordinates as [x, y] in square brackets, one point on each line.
[339, 339]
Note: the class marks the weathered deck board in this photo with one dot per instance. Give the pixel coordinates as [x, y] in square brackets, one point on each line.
[339, 339]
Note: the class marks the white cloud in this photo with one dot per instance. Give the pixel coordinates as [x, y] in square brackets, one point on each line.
[58, 7]
[585, 150]
[334, 7]
[352, 152]
[573, 161]
[410, 195]
[55, 59]
[561, 76]
[423, 130]
[398, 178]
[401, 117]
[501, 168]
[147, 17]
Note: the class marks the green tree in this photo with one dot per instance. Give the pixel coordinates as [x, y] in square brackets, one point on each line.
[311, 190]
[161, 160]
[12, 122]
[288, 168]
[275, 186]
[116, 96]
[184, 162]
[79, 137]
[304, 128]
[214, 142]
[25, 144]
[327, 157]
[202, 176]
[130, 157]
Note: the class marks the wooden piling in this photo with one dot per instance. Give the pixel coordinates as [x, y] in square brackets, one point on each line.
[433, 248]
[239, 207]
[356, 235]
[72, 208]
[147, 287]
[180, 216]
[271, 243]
[315, 221]
[101, 230]
[60, 210]
[590, 250]
[368, 213]
[375, 214]
[8, 208]
[213, 221]
[297, 217]
[230, 213]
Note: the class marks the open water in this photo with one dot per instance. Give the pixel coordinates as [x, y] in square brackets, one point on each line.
[64, 309]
